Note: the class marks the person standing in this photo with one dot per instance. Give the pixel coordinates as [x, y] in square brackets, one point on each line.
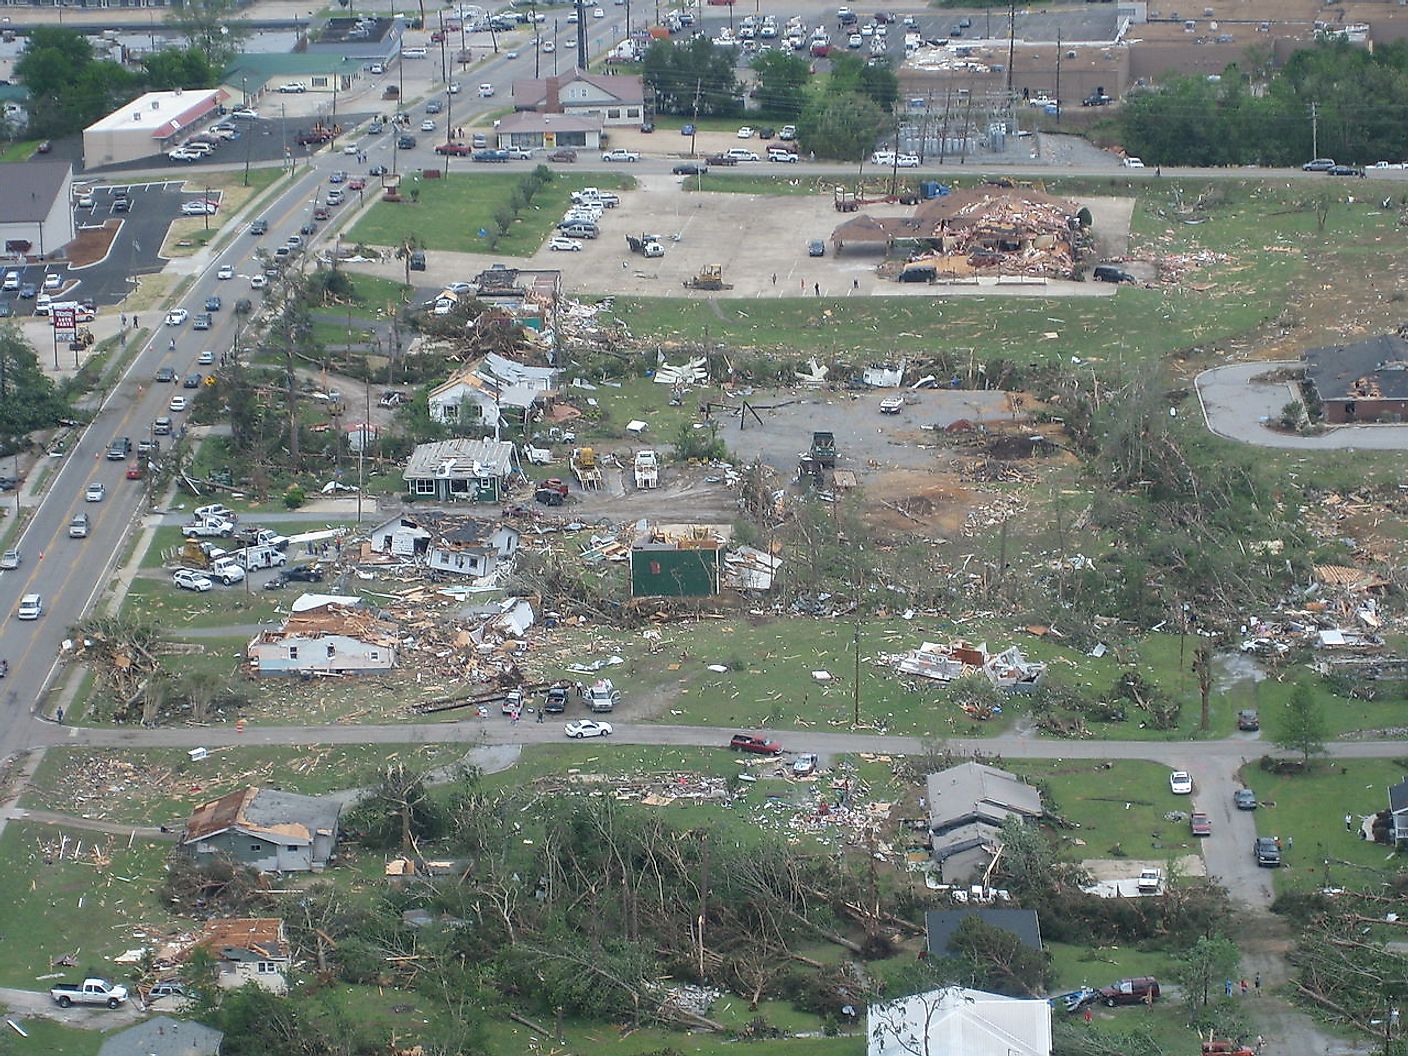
[1257, 983]
[1348, 821]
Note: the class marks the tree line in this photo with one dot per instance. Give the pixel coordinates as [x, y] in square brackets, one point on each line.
[1333, 99]
[70, 87]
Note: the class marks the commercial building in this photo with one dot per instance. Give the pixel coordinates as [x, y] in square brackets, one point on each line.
[150, 125]
[36, 208]
[534, 131]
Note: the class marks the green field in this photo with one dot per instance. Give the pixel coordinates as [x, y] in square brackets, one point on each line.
[1307, 811]
[452, 211]
[87, 909]
[20, 150]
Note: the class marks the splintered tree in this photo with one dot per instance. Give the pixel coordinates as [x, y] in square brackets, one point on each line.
[1202, 667]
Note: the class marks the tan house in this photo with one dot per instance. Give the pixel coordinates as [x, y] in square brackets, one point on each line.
[617, 99]
[535, 131]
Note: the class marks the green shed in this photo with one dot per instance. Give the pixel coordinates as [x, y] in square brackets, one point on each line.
[686, 568]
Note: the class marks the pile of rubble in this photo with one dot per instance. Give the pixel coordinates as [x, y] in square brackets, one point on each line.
[1009, 669]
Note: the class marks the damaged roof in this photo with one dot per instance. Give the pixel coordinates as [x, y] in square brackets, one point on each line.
[245, 938]
[1373, 369]
[451, 459]
[975, 788]
[279, 817]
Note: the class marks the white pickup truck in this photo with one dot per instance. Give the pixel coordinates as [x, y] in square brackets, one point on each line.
[91, 992]
[209, 528]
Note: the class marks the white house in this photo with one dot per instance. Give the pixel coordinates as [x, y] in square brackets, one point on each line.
[473, 548]
[324, 639]
[617, 99]
[403, 536]
[491, 389]
[955, 1021]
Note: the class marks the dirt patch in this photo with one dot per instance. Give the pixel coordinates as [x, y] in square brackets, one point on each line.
[933, 502]
[92, 243]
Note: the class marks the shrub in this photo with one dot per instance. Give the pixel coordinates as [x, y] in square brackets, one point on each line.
[294, 497]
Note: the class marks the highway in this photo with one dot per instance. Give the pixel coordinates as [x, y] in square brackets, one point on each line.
[70, 574]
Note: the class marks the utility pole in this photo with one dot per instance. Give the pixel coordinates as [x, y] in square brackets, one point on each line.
[694, 125]
[855, 684]
[449, 101]
[1314, 130]
[581, 9]
[1058, 76]
[1012, 42]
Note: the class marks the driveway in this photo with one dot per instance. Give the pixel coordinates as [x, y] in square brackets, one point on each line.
[1237, 407]
[24, 1003]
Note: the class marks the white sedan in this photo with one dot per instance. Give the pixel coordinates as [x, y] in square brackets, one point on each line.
[177, 316]
[587, 728]
[199, 208]
[351, 148]
[907, 161]
[178, 403]
[1180, 784]
[746, 132]
[95, 493]
[227, 271]
[258, 282]
[565, 245]
[188, 580]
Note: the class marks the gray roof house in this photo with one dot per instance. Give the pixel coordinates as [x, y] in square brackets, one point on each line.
[468, 470]
[164, 1036]
[1366, 381]
[1398, 811]
[269, 830]
[967, 804]
[942, 924]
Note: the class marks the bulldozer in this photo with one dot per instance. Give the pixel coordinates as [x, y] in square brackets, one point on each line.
[710, 277]
[82, 338]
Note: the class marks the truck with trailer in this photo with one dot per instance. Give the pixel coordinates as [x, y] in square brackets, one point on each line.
[585, 469]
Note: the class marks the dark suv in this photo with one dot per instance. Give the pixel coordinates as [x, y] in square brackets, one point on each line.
[1248, 719]
[745, 742]
[1140, 991]
[556, 700]
[119, 449]
[1267, 851]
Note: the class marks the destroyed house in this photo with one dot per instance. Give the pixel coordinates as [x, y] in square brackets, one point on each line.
[326, 640]
[266, 829]
[967, 806]
[493, 390]
[446, 542]
[464, 470]
[1008, 670]
[248, 950]
[1366, 381]
[678, 561]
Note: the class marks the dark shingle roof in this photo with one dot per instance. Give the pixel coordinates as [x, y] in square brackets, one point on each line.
[1398, 796]
[942, 924]
[29, 188]
[1373, 369]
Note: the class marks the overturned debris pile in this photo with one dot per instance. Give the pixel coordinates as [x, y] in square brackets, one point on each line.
[1007, 670]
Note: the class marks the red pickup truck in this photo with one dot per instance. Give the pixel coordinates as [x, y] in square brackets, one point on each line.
[746, 742]
[459, 150]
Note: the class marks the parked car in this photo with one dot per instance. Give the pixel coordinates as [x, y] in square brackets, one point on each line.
[1143, 990]
[227, 271]
[1199, 824]
[565, 245]
[119, 448]
[804, 765]
[1180, 784]
[563, 155]
[555, 702]
[178, 403]
[1248, 719]
[690, 168]
[31, 607]
[10, 559]
[892, 405]
[202, 321]
[1149, 881]
[1110, 273]
[587, 728]
[747, 742]
[621, 154]
[1132, 162]
[186, 579]
[1244, 799]
[177, 316]
[96, 492]
[1267, 851]
[1319, 165]
[78, 527]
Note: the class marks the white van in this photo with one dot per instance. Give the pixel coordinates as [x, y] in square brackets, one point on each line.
[12, 280]
[413, 53]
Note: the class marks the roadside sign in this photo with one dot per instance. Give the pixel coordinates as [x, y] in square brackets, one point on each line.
[65, 323]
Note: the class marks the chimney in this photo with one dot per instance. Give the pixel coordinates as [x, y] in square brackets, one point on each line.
[553, 105]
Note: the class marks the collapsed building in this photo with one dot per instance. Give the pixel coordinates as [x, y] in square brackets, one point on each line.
[1007, 670]
[325, 634]
[978, 230]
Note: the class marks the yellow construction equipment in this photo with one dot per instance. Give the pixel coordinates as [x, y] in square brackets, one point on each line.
[710, 277]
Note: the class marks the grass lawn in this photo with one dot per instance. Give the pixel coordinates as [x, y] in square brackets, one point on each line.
[20, 150]
[188, 234]
[452, 211]
[150, 292]
[160, 600]
[55, 1039]
[1118, 808]
[1307, 811]
[161, 785]
[1073, 966]
[74, 908]
[729, 181]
